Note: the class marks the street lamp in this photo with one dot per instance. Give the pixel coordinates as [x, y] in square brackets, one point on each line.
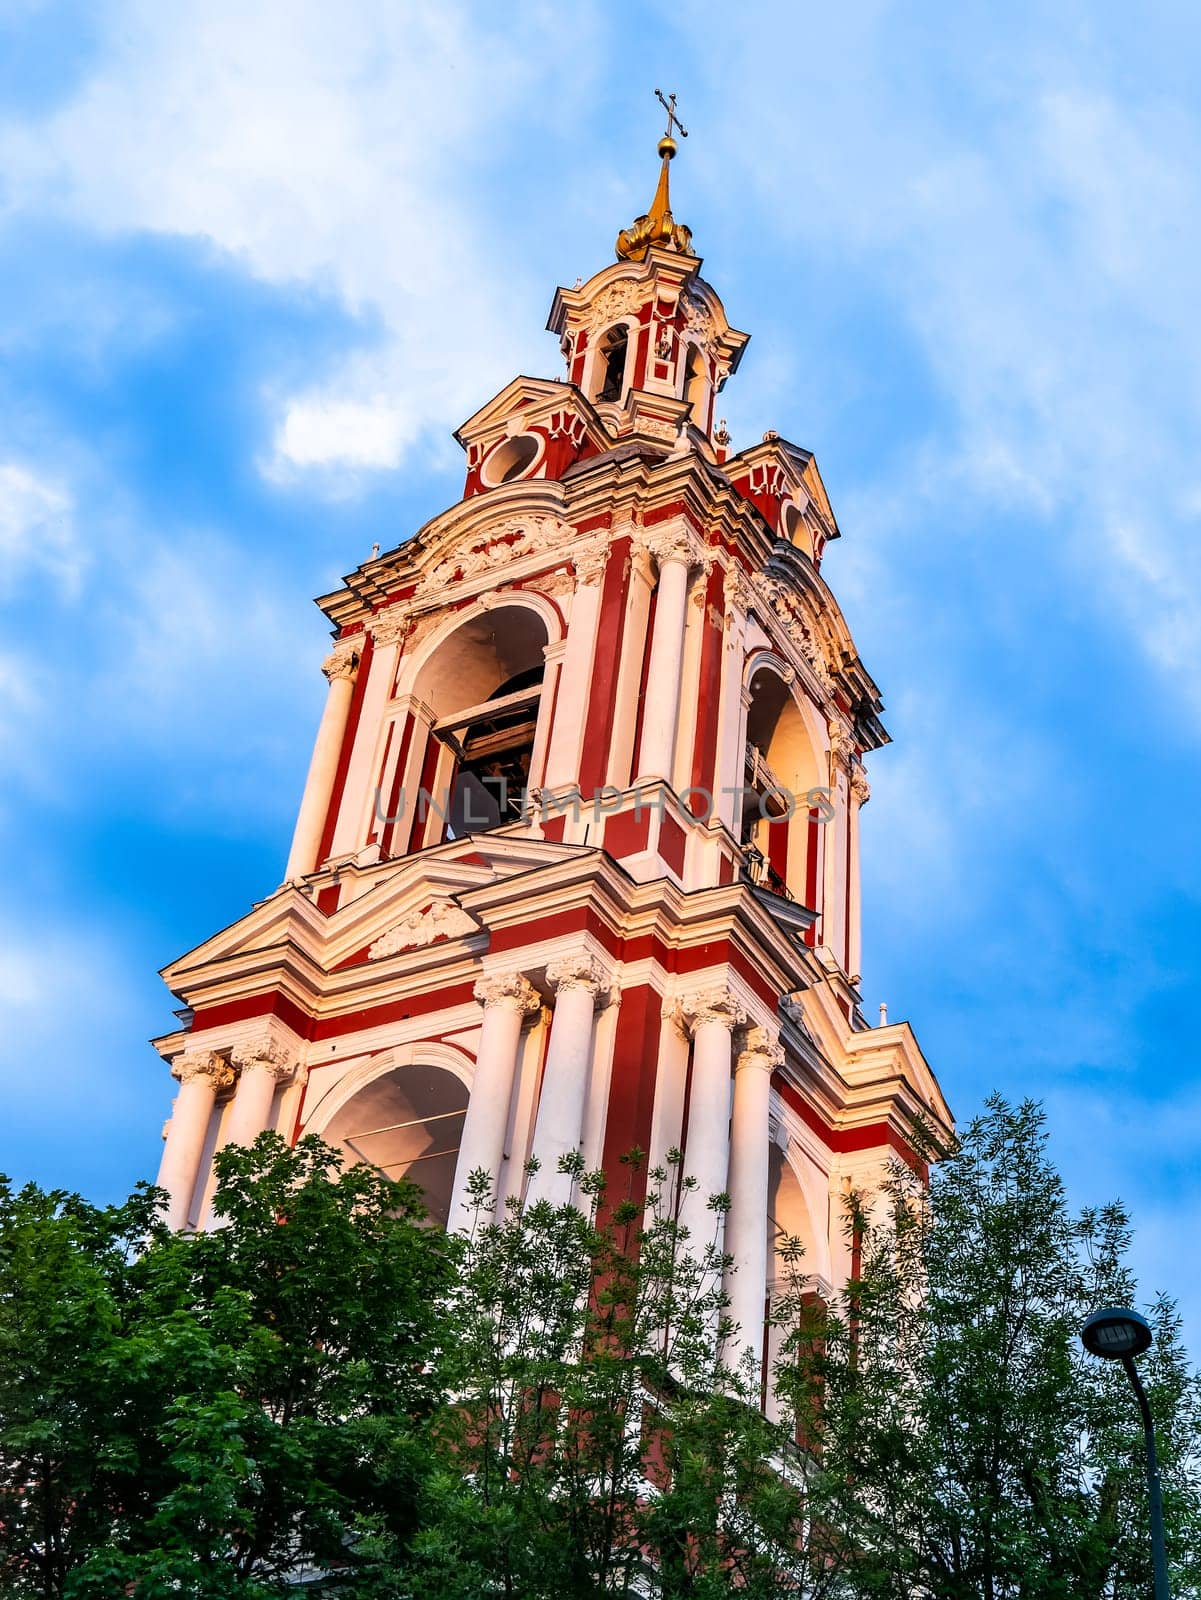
[1120, 1336]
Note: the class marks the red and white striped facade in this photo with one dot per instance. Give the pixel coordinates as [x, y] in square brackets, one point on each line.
[671, 961]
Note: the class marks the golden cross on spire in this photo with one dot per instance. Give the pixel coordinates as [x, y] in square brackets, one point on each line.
[668, 102]
[658, 227]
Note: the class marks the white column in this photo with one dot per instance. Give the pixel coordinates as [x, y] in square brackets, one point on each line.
[734, 702]
[746, 1223]
[575, 678]
[661, 709]
[508, 999]
[833, 888]
[711, 1019]
[202, 1076]
[339, 667]
[262, 1065]
[629, 672]
[861, 793]
[578, 981]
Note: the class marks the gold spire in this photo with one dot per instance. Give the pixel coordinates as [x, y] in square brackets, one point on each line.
[658, 227]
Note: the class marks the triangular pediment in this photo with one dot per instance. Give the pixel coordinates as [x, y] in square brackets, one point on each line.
[403, 903]
[531, 399]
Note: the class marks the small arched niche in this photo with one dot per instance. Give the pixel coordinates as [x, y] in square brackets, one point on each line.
[407, 1123]
[609, 369]
[781, 769]
[484, 682]
[794, 527]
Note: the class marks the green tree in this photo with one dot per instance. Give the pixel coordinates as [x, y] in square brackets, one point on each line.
[212, 1415]
[983, 1453]
[592, 1441]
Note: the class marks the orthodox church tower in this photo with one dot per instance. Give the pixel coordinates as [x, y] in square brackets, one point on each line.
[576, 867]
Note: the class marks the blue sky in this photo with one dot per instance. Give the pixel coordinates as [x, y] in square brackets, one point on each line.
[255, 268]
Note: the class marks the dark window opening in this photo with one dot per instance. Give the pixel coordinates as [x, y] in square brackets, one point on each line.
[494, 750]
[613, 355]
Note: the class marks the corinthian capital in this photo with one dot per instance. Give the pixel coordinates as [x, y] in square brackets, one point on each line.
[578, 972]
[509, 989]
[203, 1064]
[860, 787]
[265, 1054]
[762, 1051]
[341, 662]
[391, 626]
[673, 544]
[712, 1005]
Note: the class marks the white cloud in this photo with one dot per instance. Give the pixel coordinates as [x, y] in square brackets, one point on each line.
[37, 530]
[323, 431]
[332, 148]
[1029, 205]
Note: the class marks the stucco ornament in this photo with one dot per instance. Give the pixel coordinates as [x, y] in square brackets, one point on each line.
[761, 1051]
[511, 989]
[342, 660]
[264, 1053]
[203, 1064]
[441, 919]
[790, 612]
[619, 300]
[712, 1005]
[578, 972]
[488, 550]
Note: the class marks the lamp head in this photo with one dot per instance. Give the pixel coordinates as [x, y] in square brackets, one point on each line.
[1114, 1333]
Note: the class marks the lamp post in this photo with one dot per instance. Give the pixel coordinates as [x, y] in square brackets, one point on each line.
[1119, 1335]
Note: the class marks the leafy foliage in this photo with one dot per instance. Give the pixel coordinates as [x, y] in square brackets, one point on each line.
[323, 1395]
[209, 1415]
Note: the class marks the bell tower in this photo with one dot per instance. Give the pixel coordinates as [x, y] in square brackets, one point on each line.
[576, 866]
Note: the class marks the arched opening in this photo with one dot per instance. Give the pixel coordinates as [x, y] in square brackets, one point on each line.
[406, 1123]
[611, 363]
[779, 828]
[696, 386]
[485, 684]
[789, 1223]
[794, 527]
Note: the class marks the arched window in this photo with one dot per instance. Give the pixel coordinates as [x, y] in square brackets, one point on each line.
[406, 1123]
[494, 751]
[485, 684]
[611, 359]
[696, 386]
[781, 768]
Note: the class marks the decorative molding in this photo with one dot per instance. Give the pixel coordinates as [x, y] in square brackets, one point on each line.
[441, 919]
[391, 626]
[554, 584]
[794, 1011]
[504, 542]
[578, 972]
[761, 1051]
[673, 544]
[590, 563]
[841, 746]
[619, 300]
[510, 989]
[698, 319]
[420, 627]
[860, 787]
[712, 1005]
[342, 661]
[203, 1064]
[789, 611]
[266, 1053]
